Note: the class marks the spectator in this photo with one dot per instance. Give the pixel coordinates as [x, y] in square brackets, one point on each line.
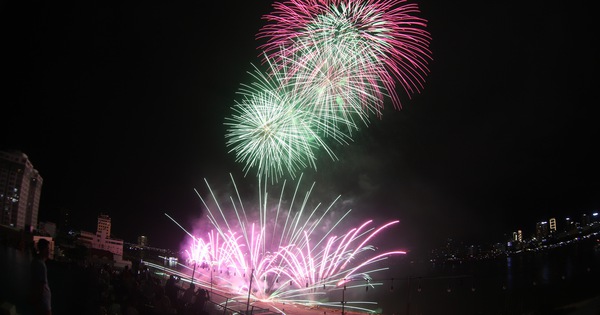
[200, 301]
[172, 291]
[161, 302]
[188, 295]
[40, 290]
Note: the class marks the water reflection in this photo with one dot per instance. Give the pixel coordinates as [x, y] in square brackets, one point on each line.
[512, 285]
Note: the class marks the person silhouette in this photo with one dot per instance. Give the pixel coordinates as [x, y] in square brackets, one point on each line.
[172, 291]
[200, 301]
[40, 290]
[188, 295]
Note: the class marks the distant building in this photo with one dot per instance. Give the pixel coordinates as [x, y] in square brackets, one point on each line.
[517, 236]
[552, 225]
[142, 240]
[585, 219]
[570, 225]
[541, 230]
[101, 239]
[20, 189]
[104, 224]
[47, 228]
[64, 224]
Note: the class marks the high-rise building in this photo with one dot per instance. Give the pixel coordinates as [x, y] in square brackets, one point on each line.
[520, 235]
[20, 189]
[542, 230]
[552, 225]
[64, 220]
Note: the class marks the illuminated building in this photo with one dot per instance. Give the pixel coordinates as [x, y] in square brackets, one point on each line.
[20, 189]
[518, 236]
[552, 225]
[101, 239]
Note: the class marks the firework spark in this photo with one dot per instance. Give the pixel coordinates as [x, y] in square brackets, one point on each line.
[387, 37]
[291, 252]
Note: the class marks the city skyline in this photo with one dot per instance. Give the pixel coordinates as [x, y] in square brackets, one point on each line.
[121, 109]
[527, 231]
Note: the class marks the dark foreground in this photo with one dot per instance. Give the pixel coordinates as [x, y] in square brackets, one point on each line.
[96, 290]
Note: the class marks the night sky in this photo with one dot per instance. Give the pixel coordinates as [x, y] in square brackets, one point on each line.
[120, 106]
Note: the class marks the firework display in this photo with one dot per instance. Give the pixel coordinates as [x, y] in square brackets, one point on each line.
[340, 95]
[332, 64]
[331, 67]
[387, 37]
[270, 130]
[285, 250]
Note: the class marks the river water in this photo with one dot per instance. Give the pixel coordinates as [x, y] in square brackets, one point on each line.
[543, 282]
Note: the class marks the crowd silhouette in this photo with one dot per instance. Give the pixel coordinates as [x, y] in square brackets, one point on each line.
[137, 291]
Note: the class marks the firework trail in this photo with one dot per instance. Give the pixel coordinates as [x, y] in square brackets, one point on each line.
[388, 39]
[290, 252]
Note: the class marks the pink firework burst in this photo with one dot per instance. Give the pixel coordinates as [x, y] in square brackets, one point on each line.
[284, 250]
[387, 36]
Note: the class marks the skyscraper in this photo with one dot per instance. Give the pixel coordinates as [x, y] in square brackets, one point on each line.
[552, 225]
[20, 189]
[542, 230]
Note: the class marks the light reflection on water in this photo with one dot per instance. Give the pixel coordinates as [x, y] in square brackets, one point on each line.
[510, 285]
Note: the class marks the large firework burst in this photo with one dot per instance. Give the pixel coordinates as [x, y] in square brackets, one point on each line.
[271, 130]
[338, 94]
[385, 35]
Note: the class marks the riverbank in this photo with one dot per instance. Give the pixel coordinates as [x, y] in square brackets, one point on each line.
[558, 282]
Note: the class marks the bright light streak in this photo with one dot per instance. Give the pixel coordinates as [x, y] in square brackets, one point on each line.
[289, 252]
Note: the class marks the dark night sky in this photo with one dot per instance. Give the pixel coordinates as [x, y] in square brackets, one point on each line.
[120, 106]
